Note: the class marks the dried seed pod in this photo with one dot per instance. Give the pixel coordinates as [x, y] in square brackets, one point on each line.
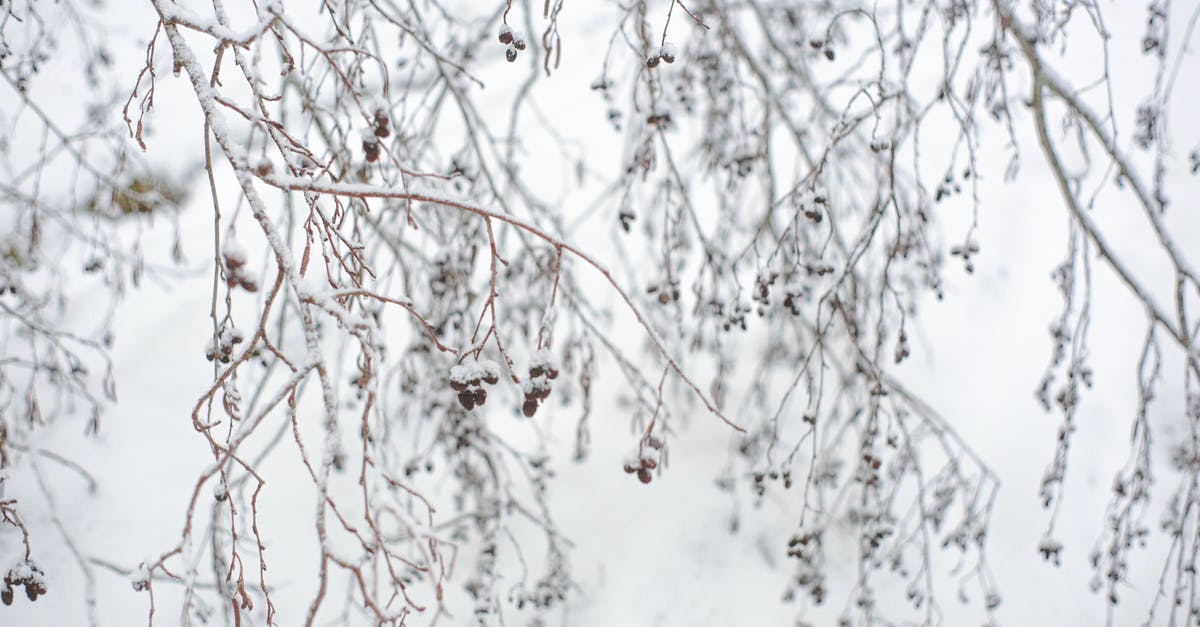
[506, 34]
[518, 41]
[467, 400]
[510, 54]
[631, 468]
[652, 60]
[654, 442]
[529, 408]
[667, 52]
[371, 149]
[7, 595]
[644, 475]
[648, 462]
[480, 396]
[626, 217]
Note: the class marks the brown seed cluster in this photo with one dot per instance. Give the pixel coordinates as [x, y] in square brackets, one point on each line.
[626, 217]
[371, 148]
[902, 351]
[821, 44]
[966, 251]
[468, 379]
[667, 291]
[234, 257]
[645, 459]
[806, 548]
[380, 129]
[514, 41]
[537, 387]
[381, 123]
[227, 338]
[667, 52]
[25, 574]
[140, 579]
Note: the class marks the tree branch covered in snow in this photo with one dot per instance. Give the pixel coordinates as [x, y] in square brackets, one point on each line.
[430, 246]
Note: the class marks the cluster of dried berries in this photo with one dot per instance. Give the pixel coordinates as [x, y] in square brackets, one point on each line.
[468, 378]
[643, 460]
[546, 593]
[537, 386]
[762, 289]
[413, 466]
[761, 477]
[807, 549]
[902, 351]
[514, 40]
[965, 251]
[381, 123]
[868, 470]
[734, 316]
[666, 52]
[742, 164]
[235, 267]
[667, 292]
[794, 292]
[662, 118]
[227, 338]
[819, 44]
[26, 574]
[948, 187]
[626, 217]
[380, 128]
[371, 147]
[1051, 549]
[814, 212]
[140, 579]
